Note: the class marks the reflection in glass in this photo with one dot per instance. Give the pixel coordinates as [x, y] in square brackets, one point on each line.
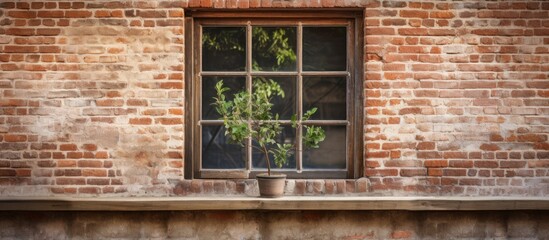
[288, 137]
[284, 107]
[217, 152]
[223, 48]
[324, 49]
[235, 84]
[328, 94]
[274, 48]
[331, 154]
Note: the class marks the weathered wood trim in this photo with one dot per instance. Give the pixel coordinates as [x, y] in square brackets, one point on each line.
[284, 203]
[276, 13]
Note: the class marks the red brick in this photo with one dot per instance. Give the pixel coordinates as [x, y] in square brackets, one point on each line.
[512, 164]
[22, 14]
[109, 102]
[426, 146]
[51, 14]
[413, 172]
[400, 234]
[89, 147]
[78, 14]
[486, 164]
[455, 172]
[458, 155]
[435, 172]
[389, 146]
[380, 31]
[48, 32]
[489, 147]
[90, 163]
[532, 138]
[442, 14]
[89, 190]
[381, 172]
[98, 181]
[140, 121]
[101, 155]
[460, 164]
[435, 163]
[94, 172]
[15, 138]
[414, 14]
[169, 121]
[68, 147]
[70, 181]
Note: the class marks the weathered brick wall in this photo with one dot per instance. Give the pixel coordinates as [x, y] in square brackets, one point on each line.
[457, 97]
[91, 98]
[343, 225]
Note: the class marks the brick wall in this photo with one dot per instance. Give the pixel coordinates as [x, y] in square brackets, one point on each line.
[343, 225]
[91, 98]
[456, 97]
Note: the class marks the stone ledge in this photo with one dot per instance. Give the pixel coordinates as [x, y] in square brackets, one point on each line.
[284, 203]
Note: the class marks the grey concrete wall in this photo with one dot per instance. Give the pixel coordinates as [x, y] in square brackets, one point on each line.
[220, 225]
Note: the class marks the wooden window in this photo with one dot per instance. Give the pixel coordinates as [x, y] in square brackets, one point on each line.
[314, 56]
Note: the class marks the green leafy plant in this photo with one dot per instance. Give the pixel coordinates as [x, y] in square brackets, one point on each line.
[248, 115]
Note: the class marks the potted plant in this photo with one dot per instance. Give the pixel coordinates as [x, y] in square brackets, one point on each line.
[248, 115]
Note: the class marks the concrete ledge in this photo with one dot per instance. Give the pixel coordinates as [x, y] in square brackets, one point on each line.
[285, 203]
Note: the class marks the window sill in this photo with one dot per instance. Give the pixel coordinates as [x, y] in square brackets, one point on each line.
[284, 203]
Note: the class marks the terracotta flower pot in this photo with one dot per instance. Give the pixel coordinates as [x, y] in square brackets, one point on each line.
[271, 186]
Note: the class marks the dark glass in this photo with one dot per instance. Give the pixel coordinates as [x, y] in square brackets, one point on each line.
[258, 157]
[324, 48]
[274, 48]
[328, 94]
[283, 106]
[223, 48]
[235, 84]
[218, 153]
[332, 151]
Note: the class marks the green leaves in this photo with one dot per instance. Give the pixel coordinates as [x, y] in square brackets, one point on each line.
[309, 113]
[281, 154]
[314, 135]
[249, 116]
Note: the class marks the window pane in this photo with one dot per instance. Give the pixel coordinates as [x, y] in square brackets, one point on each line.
[332, 151]
[283, 106]
[235, 84]
[324, 48]
[223, 48]
[217, 153]
[274, 48]
[328, 94]
[287, 136]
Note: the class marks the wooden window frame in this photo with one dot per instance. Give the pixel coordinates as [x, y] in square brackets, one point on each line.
[353, 19]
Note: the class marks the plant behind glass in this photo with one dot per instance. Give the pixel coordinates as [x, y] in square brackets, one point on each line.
[248, 115]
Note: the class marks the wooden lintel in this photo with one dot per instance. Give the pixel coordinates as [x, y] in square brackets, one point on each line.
[285, 203]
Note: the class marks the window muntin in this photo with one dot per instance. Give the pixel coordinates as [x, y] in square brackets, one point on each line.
[324, 84]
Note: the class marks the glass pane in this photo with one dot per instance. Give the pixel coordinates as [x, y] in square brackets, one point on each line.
[218, 153]
[223, 48]
[324, 48]
[328, 94]
[283, 106]
[236, 84]
[274, 48]
[287, 136]
[332, 151]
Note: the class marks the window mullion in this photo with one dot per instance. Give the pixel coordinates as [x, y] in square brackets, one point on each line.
[249, 154]
[299, 152]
